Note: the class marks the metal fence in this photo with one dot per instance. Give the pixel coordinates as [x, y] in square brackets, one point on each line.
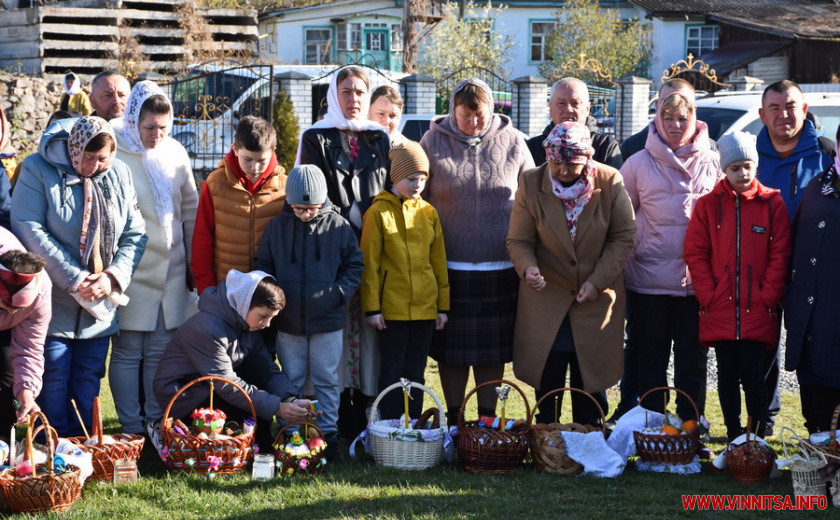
[209, 101]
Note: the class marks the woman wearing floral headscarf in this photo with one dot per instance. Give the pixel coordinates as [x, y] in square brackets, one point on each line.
[571, 230]
[475, 158]
[352, 151]
[160, 298]
[74, 98]
[74, 204]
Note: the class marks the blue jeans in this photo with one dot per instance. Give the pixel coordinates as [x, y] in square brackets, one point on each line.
[73, 369]
[132, 350]
[319, 356]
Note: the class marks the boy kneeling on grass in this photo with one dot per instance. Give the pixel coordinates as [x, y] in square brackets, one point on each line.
[405, 284]
[224, 339]
[737, 248]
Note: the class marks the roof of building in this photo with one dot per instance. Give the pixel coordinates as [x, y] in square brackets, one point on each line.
[735, 55]
[811, 19]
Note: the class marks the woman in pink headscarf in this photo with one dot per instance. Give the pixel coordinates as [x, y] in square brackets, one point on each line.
[664, 181]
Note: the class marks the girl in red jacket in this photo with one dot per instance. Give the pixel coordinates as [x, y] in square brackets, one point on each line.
[737, 249]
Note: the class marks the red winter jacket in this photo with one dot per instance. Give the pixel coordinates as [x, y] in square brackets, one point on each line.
[737, 249]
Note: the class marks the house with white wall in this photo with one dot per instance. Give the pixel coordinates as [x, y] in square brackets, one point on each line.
[370, 31]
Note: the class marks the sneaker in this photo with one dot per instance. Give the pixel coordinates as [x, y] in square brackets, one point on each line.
[153, 433]
[768, 430]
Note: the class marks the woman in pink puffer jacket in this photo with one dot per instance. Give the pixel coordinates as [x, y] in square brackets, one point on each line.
[664, 181]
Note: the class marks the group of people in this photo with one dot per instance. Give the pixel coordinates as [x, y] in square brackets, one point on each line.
[472, 246]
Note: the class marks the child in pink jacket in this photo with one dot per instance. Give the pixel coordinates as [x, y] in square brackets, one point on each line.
[25, 313]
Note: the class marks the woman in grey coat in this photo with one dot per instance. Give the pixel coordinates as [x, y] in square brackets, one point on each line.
[74, 204]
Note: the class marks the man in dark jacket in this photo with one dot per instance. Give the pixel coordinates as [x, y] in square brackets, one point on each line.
[570, 102]
[790, 154]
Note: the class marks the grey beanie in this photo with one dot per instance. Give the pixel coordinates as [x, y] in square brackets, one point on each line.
[737, 146]
[306, 185]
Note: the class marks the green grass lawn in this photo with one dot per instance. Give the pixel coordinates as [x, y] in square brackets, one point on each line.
[350, 490]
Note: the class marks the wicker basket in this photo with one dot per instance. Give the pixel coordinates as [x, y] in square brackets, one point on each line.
[547, 447]
[397, 447]
[48, 492]
[832, 449]
[804, 473]
[291, 465]
[188, 452]
[668, 449]
[482, 450]
[748, 462]
[125, 446]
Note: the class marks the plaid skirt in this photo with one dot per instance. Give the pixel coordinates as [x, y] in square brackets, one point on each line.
[482, 318]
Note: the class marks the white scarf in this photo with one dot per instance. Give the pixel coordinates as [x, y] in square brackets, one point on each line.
[158, 161]
[335, 116]
[77, 85]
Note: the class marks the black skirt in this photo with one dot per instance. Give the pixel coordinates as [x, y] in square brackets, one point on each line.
[481, 320]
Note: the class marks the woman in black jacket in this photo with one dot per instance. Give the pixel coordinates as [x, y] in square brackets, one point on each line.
[352, 151]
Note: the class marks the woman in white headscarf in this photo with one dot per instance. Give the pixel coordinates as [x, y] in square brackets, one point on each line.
[74, 205]
[161, 299]
[74, 98]
[352, 151]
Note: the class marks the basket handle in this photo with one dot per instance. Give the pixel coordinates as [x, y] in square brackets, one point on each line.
[165, 423]
[49, 434]
[690, 400]
[834, 418]
[279, 435]
[560, 391]
[494, 382]
[790, 438]
[375, 407]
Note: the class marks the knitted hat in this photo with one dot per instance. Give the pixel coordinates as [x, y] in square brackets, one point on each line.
[407, 159]
[306, 185]
[737, 146]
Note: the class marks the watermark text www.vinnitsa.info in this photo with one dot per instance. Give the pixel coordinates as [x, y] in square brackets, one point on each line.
[753, 502]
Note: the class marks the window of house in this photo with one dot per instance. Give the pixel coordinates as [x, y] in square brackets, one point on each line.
[540, 34]
[396, 37]
[318, 45]
[700, 39]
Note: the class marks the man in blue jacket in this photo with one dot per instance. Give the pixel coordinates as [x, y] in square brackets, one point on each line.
[790, 154]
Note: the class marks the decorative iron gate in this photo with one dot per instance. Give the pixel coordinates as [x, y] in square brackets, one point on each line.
[208, 102]
[601, 88]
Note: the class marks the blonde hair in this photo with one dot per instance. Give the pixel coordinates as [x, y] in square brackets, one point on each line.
[676, 101]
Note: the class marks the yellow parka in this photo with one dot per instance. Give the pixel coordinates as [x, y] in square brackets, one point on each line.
[405, 275]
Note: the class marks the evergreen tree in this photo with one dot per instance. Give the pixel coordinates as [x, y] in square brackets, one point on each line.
[288, 130]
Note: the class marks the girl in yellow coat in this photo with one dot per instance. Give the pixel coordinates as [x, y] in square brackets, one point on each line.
[405, 286]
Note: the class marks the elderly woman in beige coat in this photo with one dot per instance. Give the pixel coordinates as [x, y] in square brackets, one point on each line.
[571, 230]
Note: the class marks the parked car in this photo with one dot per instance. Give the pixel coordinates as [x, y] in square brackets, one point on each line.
[726, 112]
[413, 126]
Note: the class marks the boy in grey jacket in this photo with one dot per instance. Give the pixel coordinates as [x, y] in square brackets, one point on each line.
[312, 252]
